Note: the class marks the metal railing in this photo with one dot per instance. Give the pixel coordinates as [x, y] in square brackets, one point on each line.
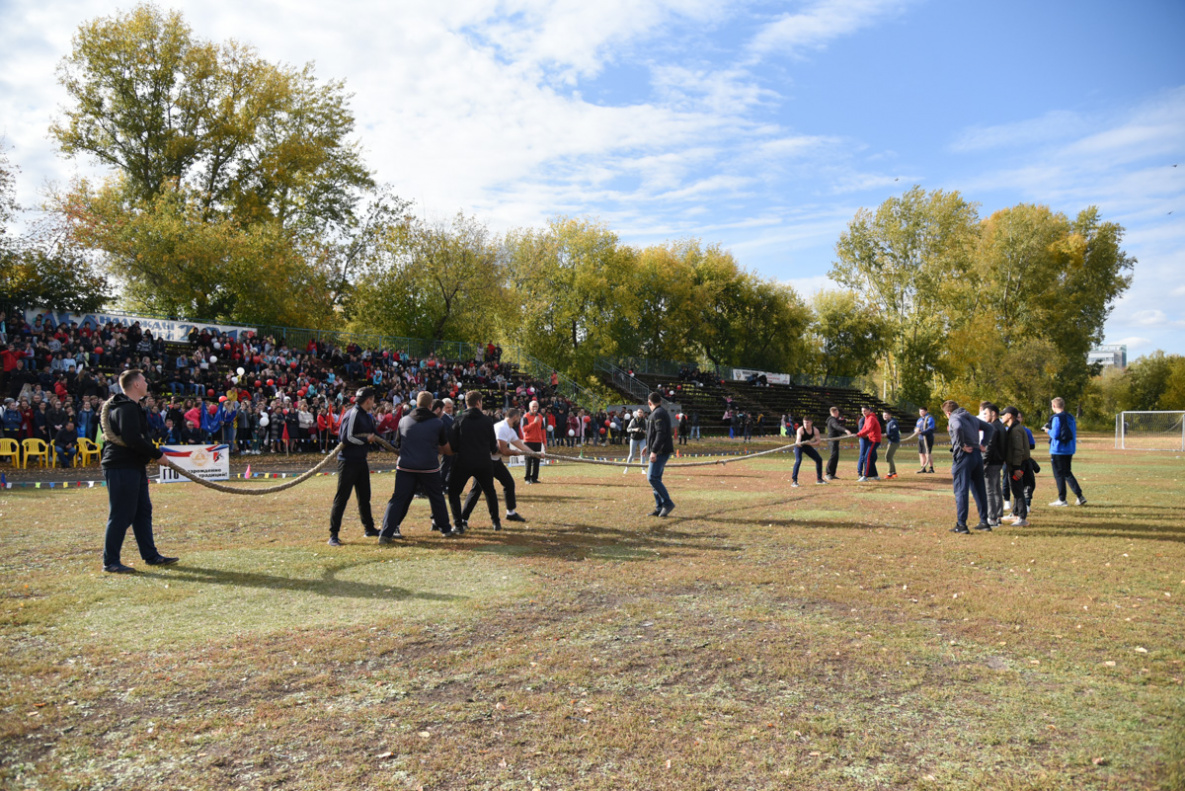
[541, 371]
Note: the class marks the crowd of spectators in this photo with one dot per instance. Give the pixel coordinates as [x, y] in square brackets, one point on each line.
[254, 393]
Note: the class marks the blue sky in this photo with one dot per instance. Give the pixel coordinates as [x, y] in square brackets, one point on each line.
[762, 126]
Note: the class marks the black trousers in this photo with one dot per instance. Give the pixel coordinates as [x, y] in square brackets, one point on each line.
[129, 505]
[1017, 489]
[833, 458]
[456, 484]
[532, 465]
[406, 484]
[501, 475]
[1063, 474]
[352, 476]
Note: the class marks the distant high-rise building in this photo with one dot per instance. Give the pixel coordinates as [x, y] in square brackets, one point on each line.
[1109, 355]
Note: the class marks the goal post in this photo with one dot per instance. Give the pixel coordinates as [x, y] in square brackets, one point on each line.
[1150, 430]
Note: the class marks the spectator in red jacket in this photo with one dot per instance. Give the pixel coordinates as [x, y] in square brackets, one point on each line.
[871, 432]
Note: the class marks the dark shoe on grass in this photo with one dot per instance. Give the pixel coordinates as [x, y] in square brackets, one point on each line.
[667, 510]
[161, 560]
[984, 526]
[334, 541]
[960, 529]
[515, 518]
[119, 568]
[656, 512]
[371, 532]
[396, 535]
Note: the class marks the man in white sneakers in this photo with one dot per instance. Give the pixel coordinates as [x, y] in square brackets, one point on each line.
[1063, 441]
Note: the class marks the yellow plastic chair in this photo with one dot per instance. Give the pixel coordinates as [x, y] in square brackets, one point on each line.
[87, 449]
[36, 447]
[12, 449]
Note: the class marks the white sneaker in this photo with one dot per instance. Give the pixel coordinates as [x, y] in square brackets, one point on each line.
[1020, 522]
[794, 485]
[1058, 504]
[861, 479]
[1007, 506]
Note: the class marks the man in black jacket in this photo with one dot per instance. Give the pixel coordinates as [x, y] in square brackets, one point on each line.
[661, 445]
[993, 463]
[421, 439]
[835, 430]
[126, 454]
[357, 431]
[473, 442]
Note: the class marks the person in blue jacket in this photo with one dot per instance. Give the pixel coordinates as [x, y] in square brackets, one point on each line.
[893, 436]
[1063, 441]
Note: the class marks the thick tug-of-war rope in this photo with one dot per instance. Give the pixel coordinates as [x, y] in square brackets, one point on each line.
[746, 457]
[112, 437]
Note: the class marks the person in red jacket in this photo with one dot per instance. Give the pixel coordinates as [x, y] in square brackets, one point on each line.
[872, 433]
[534, 433]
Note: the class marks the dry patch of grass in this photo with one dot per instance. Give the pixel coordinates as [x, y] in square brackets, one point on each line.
[764, 637]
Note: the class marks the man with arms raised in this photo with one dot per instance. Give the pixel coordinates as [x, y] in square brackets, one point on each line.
[126, 454]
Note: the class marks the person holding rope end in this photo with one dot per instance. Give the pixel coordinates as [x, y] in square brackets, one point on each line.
[357, 433]
[126, 454]
[807, 439]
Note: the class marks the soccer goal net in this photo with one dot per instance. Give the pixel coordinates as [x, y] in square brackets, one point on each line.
[1150, 430]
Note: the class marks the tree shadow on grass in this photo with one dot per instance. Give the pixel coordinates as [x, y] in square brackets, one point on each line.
[327, 585]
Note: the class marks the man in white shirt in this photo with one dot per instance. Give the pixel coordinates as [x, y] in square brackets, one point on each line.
[509, 445]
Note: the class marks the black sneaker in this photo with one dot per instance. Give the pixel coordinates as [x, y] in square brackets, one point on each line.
[497, 525]
[922, 471]
[119, 568]
[656, 512]
[334, 541]
[391, 538]
[161, 560]
[960, 529]
[667, 511]
[371, 532]
[515, 518]
[984, 526]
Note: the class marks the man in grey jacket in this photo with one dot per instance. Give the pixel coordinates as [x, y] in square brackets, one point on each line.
[967, 450]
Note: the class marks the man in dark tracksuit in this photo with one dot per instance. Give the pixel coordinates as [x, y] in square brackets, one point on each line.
[509, 445]
[967, 466]
[420, 440]
[835, 429]
[993, 463]
[661, 444]
[1016, 463]
[473, 442]
[126, 454]
[353, 473]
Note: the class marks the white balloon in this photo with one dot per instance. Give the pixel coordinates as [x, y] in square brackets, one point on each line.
[571, 432]
[240, 371]
[213, 359]
[217, 345]
[263, 419]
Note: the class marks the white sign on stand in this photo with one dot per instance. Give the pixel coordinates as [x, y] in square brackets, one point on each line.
[208, 462]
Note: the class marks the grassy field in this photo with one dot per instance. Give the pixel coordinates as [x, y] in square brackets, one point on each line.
[761, 638]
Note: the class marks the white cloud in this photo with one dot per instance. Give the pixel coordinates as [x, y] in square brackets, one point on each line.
[1053, 125]
[819, 24]
[807, 287]
[1149, 318]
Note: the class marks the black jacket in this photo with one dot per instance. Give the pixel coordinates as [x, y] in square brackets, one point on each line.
[658, 432]
[130, 424]
[420, 436]
[997, 446]
[473, 440]
[835, 427]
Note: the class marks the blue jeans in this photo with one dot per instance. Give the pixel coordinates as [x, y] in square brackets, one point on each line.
[863, 456]
[967, 470]
[661, 498]
[811, 452]
[127, 495]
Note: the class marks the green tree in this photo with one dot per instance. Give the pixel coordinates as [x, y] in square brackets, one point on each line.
[252, 158]
[42, 267]
[444, 282]
[906, 259]
[850, 335]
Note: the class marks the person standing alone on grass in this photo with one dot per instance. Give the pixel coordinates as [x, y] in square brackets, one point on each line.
[126, 454]
[658, 439]
[835, 430]
[807, 439]
[353, 473]
[993, 463]
[870, 432]
[1016, 463]
[893, 435]
[1063, 441]
[967, 464]
[925, 430]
